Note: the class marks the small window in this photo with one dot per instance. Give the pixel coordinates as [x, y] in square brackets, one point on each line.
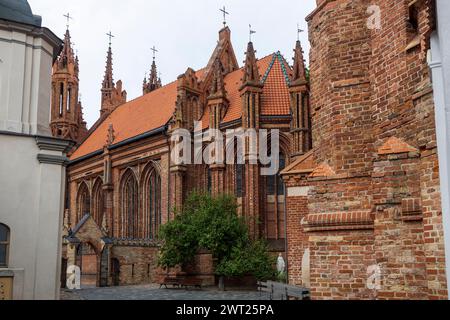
[4, 245]
[413, 26]
[413, 19]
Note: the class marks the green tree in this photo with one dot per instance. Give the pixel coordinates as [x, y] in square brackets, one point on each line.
[213, 224]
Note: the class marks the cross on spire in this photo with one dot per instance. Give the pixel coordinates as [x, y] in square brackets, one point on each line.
[225, 13]
[154, 52]
[299, 30]
[68, 17]
[110, 35]
[251, 32]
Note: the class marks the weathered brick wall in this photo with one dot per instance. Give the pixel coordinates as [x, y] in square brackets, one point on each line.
[375, 201]
[297, 209]
[202, 268]
[340, 89]
[339, 262]
[138, 265]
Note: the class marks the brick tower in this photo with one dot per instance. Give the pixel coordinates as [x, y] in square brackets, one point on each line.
[368, 195]
[66, 110]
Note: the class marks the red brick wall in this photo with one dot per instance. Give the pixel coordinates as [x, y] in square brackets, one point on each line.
[138, 265]
[372, 209]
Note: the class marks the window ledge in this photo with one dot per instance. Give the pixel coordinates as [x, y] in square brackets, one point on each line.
[414, 43]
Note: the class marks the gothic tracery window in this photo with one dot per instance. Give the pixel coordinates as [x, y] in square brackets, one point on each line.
[98, 203]
[4, 245]
[84, 201]
[151, 203]
[129, 195]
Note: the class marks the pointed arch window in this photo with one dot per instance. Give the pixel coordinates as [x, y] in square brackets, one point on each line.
[98, 203]
[129, 217]
[4, 245]
[84, 201]
[151, 203]
[69, 98]
[61, 99]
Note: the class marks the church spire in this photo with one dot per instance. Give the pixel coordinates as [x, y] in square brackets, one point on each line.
[112, 95]
[153, 82]
[251, 73]
[108, 81]
[299, 71]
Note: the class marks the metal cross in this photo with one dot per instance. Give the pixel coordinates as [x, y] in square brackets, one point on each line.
[225, 13]
[251, 32]
[154, 52]
[110, 35]
[299, 31]
[68, 17]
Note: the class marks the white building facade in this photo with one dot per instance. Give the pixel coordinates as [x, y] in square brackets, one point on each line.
[32, 163]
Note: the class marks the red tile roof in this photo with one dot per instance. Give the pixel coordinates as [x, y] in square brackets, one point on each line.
[155, 109]
[132, 119]
[275, 96]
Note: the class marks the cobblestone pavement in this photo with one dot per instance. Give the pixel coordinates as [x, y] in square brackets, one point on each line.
[150, 292]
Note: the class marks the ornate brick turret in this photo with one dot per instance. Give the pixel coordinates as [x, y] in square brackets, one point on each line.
[217, 102]
[300, 106]
[112, 94]
[66, 111]
[154, 82]
[251, 91]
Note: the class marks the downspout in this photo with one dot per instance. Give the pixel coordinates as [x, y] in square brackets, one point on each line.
[442, 132]
[285, 231]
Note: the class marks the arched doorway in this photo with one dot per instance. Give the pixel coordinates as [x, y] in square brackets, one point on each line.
[88, 263]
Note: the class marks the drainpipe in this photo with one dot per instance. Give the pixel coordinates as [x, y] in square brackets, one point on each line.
[436, 61]
[285, 230]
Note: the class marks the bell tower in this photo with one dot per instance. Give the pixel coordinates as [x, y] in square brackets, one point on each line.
[66, 110]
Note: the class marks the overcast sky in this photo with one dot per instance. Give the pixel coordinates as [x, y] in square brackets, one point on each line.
[184, 32]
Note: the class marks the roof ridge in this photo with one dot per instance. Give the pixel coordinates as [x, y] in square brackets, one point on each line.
[269, 68]
[283, 63]
[282, 60]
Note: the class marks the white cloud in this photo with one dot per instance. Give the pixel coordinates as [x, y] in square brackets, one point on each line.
[184, 32]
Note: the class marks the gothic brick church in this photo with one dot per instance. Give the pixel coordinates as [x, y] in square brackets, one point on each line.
[357, 194]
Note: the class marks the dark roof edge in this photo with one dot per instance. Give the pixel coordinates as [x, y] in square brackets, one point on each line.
[146, 135]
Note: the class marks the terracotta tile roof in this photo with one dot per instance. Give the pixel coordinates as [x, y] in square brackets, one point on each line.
[304, 164]
[133, 118]
[275, 96]
[155, 109]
